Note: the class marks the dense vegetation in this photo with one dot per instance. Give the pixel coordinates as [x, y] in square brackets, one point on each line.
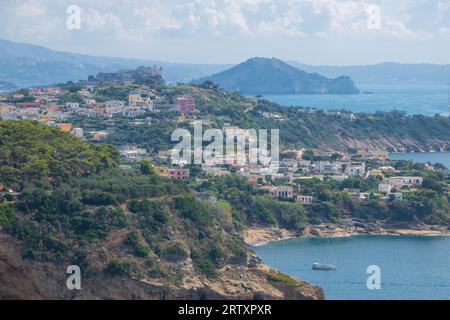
[76, 204]
[101, 217]
[30, 151]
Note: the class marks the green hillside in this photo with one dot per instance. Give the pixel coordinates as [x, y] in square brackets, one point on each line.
[262, 75]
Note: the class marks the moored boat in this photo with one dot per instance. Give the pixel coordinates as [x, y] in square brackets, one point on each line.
[323, 266]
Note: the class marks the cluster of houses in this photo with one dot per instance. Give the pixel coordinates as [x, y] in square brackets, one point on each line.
[44, 105]
[292, 170]
[49, 105]
[398, 183]
[287, 192]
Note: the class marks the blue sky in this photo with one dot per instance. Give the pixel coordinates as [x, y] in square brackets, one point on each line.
[335, 32]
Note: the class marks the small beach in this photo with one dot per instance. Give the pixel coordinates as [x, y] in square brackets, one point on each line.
[263, 236]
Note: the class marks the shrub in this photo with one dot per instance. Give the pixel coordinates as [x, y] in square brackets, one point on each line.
[147, 168]
[7, 217]
[140, 249]
[122, 268]
[175, 253]
[204, 264]
[99, 198]
[282, 278]
[192, 209]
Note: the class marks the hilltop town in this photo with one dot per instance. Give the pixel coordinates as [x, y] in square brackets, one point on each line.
[109, 108]
[89, 165]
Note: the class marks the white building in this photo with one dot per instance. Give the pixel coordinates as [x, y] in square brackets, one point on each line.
[132, 111]
[385, 187]
[326, 167]
[72, 106]
[133, 153]
[78, 132]
[398, 182]
[84, 93]
[304, 199]
[355, 169]
[87, 112]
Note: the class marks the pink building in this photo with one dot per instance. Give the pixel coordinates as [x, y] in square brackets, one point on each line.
[28, 105]
[53, 90]
[186, 104]
[35, 92]
[179, 174]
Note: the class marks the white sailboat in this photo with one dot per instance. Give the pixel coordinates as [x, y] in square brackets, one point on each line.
[326, 266]
[323, 266]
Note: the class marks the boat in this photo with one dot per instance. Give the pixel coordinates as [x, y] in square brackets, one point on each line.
[329, 258]
[323, 266]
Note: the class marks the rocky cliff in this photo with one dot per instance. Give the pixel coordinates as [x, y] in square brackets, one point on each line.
[31, 280]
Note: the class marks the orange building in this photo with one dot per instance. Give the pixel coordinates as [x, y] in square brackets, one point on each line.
[66, 127]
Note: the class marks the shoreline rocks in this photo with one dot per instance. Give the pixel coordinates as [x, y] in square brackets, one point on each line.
[262, 236]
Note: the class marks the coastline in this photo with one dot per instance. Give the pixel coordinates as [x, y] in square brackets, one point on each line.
[262, 236]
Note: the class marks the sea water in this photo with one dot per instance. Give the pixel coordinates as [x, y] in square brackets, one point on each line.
[411, 98]
[411, 267]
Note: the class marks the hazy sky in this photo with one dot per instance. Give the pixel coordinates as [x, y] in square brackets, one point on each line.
[334, 32]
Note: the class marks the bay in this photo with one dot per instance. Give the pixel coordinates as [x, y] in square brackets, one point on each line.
[425, 99]
[412, 267]
[424, 157]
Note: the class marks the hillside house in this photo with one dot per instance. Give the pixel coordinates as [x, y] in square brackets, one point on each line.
[185, 104]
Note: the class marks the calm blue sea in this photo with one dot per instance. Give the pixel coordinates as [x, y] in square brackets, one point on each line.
[433, 157]
[412, 98]
[411, 267]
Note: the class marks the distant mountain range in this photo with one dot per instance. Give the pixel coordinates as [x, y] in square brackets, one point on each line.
[5, 86]
[26, 65]
[263, 75]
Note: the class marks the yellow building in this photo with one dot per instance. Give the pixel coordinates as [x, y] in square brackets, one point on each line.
[389, 170]
[377, 154]
[138, 99]
[376, 172]
[221, 174]
[162, 171]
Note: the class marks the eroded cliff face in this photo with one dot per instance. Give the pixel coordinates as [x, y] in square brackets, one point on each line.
[241, 280]
[392, 144]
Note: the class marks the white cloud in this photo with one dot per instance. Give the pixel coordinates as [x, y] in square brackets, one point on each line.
[142, 26]
[137, 19]
[156, 17]
[32, 9]
[108, 23]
